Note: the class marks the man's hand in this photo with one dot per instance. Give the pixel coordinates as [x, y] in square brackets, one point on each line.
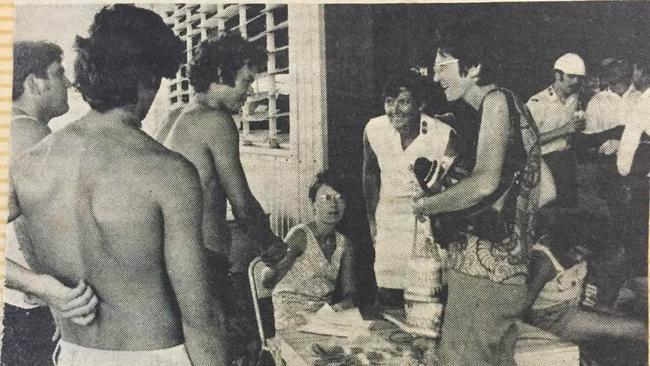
[419, 209]
[276, 251]
[448, 118]
[609, 147]
[78, 304]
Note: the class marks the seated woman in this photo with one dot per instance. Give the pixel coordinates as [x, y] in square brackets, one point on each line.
[318, 255]
[556, 279]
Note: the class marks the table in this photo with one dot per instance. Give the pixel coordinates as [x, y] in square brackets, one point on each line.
[534, 348]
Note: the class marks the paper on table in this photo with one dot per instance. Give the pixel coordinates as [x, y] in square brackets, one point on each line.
[344, 323]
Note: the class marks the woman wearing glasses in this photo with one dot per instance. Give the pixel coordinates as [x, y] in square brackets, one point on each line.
[317, 257]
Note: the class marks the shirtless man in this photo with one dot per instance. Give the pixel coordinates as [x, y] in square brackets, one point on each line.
[206, 135]
[39, 94]
[110, 205]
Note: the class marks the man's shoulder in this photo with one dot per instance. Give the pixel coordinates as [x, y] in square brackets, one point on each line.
[602, 96]
[206, 124]
[39, 150]
[168, 171]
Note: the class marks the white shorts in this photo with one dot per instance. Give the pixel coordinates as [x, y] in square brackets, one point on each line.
[75, 355]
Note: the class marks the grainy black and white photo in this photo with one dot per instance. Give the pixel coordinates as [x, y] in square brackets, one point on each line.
[269, 184]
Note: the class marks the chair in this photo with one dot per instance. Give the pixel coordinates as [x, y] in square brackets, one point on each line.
[262, 304]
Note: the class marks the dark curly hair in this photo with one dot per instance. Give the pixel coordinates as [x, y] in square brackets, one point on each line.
[220, 58]
[410, 80]
[32, 58]
[127, 46]
[331, 178]
[473, 43]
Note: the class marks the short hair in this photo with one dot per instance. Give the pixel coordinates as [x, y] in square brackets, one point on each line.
[32, 58]
[331, 178]
[410, 80]
[220, 58]
[127, 46]
[473, 44]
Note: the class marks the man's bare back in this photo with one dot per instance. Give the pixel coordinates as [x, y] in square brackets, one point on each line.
[100, 194]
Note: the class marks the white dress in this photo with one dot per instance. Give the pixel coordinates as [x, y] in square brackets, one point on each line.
[394, 216]
[309, 284]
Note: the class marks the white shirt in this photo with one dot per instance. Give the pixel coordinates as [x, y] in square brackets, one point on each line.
[607, 109]
[639, 122]
[550, 113]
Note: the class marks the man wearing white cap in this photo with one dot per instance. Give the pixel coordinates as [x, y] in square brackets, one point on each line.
[557, 112]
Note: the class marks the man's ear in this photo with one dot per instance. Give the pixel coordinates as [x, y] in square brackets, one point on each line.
[34, 85]
[474, 71]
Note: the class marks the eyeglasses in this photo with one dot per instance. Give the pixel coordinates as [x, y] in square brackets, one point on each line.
[329, 197]
[439, 66]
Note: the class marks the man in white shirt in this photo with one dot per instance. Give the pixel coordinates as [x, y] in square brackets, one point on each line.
[607, 113]
[638, 123]
[609, 108]
[633, 162]
[556, 111]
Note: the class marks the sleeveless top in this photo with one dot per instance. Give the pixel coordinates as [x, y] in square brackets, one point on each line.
[312, 276]
[395, 162]
[565, 287]
[394, 216]
[507, 261]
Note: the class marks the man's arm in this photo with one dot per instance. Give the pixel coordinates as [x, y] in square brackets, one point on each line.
[371, 183]
[14, 205]
[186, 265]
[223, 143]
[77, 304]
[541, 271]
[538, 111]
[485, 178]
[574, 124]
[627, 148]
[297, 242]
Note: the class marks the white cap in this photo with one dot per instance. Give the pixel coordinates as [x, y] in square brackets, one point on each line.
[570, 63]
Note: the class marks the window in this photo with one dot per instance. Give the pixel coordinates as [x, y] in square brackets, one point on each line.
[264, 121]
